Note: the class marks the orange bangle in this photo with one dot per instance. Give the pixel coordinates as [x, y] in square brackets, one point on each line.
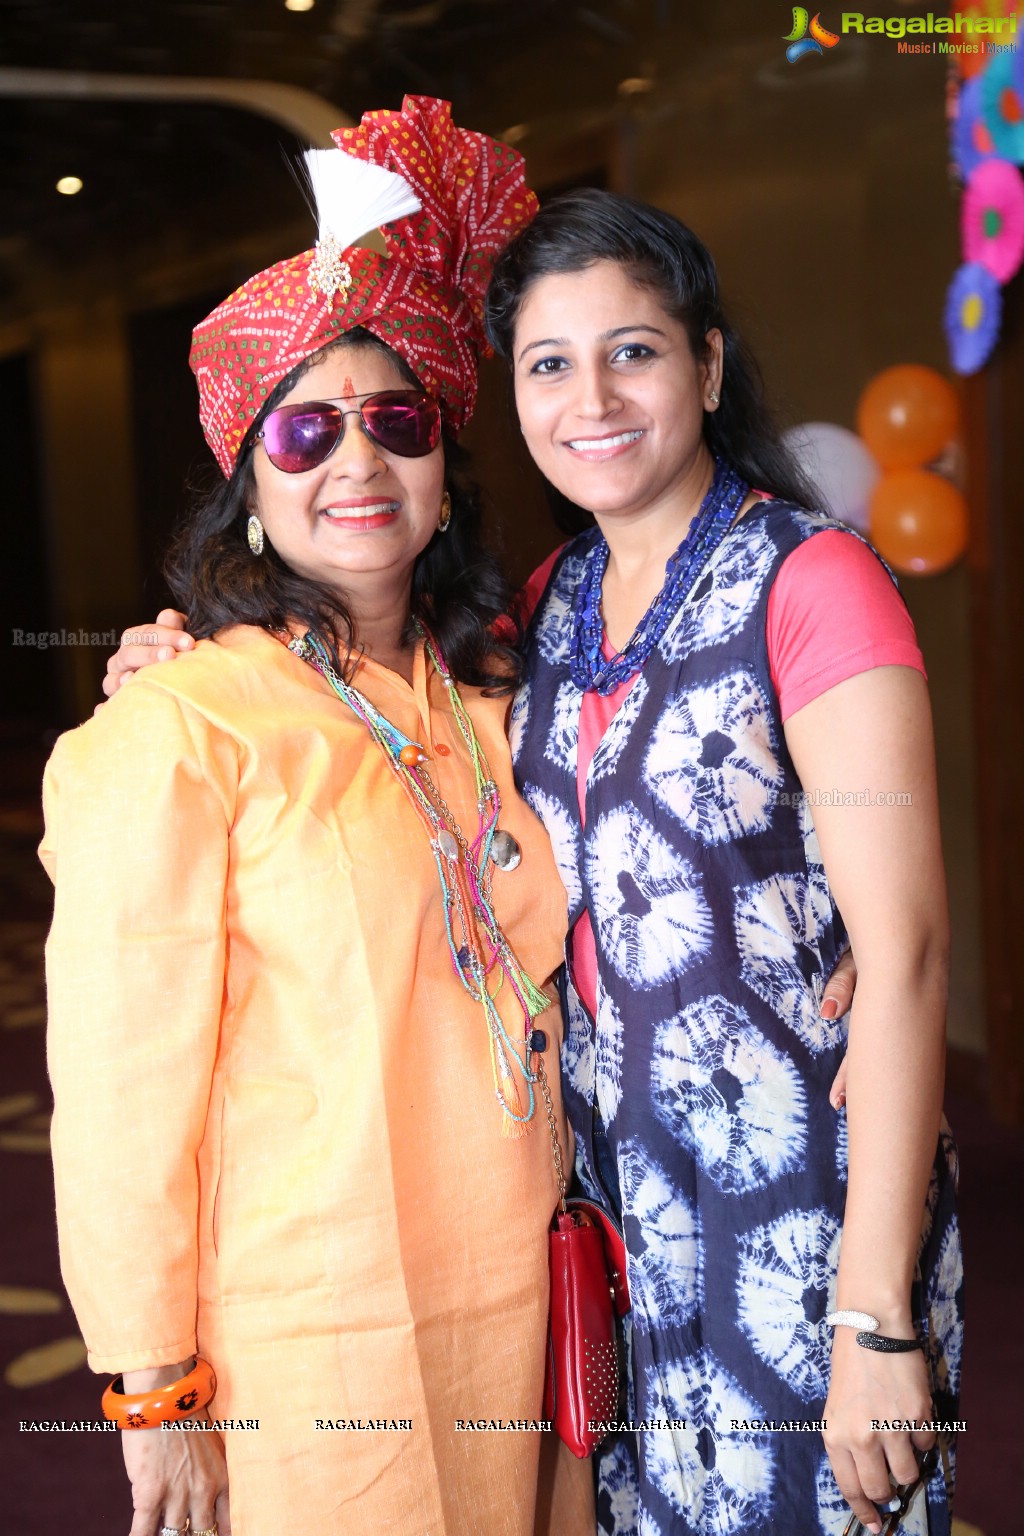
[162, 1405]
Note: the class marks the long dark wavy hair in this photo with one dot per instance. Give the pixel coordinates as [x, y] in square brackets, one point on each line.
[577, 229]
[458, 589]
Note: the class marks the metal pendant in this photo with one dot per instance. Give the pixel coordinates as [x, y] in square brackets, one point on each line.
[448, 845]
[505, 851]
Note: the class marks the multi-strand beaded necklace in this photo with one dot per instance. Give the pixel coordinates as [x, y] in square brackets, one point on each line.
[479, 949]
[590, 669]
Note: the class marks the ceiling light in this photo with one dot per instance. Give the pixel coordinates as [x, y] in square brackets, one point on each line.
[299, 5]
[636, 85]
[69, 185]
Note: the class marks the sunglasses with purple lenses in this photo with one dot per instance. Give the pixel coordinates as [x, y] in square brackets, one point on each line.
[405, 422]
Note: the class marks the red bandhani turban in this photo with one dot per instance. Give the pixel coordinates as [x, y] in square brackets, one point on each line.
[447, 203]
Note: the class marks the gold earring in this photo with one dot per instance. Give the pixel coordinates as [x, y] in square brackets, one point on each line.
[445, 515]
[254, 533]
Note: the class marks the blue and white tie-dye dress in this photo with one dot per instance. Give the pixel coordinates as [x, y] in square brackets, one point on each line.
[699, 1099]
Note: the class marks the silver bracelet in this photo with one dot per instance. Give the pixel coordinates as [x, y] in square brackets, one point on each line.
[847, 1318]
[868, 1335]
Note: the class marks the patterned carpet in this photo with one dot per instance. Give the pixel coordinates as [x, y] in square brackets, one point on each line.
[76, 1482]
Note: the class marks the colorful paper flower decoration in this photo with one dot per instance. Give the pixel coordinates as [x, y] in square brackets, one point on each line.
[971, 64]
[971, 140]
[973, 310]
[992, 218]
[1002, 95]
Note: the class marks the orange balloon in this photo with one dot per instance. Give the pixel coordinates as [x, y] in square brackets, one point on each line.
[918, 522]
[907, 415]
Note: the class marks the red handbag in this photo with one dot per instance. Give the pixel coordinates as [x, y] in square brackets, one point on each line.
[589, 1290]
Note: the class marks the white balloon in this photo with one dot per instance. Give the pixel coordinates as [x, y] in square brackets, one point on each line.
[840, 466]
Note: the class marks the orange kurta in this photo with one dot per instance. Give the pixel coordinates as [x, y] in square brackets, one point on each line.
[276, 1137]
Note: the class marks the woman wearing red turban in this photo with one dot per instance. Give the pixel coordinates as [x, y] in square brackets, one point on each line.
[299, 971]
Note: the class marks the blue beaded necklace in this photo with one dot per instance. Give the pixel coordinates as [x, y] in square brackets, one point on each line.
[590, 670]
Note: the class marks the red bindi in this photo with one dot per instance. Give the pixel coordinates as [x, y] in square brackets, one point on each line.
[347, 387]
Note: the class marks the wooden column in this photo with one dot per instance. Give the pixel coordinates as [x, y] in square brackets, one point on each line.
[83, 396]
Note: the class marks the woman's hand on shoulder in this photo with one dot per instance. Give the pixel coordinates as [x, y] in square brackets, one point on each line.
[837, 1000]
[177, 1476]
[142, 644]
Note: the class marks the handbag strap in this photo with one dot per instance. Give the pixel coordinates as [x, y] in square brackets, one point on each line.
[612, 1242]
[556, 1146]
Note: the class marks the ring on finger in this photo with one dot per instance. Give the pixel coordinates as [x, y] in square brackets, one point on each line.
[210, 1530]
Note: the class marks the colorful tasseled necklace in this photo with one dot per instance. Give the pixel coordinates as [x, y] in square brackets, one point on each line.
[479, 949]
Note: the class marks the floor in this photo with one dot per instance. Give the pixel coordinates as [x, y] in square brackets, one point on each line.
[42, 1370]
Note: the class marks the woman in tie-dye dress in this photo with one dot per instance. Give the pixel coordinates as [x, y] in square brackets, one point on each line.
[728, 750]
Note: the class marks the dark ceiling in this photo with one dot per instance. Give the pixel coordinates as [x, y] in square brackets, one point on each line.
[162, 179]
[363, 45]
[167, 183]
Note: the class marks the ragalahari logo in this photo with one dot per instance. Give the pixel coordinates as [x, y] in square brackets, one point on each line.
[808, 35]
